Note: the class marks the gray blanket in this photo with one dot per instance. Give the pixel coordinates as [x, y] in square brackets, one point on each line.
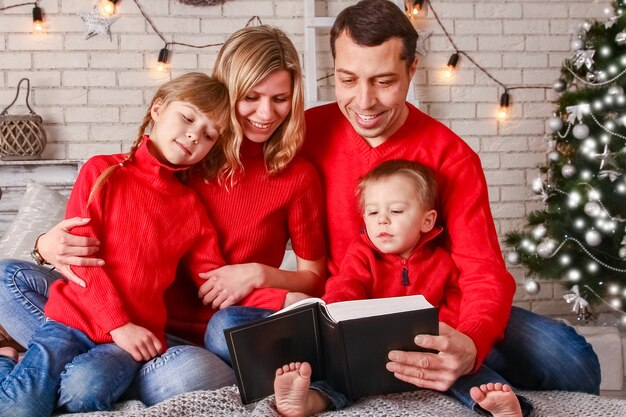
[225, 402]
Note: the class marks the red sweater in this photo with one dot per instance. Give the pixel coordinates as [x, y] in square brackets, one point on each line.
[254, 220]
[368, 273]
[146, 221]
[342, 157]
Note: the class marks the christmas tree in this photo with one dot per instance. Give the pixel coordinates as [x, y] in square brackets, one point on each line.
[579, 235]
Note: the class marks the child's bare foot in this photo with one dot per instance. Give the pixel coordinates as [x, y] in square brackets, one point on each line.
[9, 352]
[291, 387]
[499, 399]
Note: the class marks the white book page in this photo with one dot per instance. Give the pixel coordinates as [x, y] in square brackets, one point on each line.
[301, 303]
[347, 310]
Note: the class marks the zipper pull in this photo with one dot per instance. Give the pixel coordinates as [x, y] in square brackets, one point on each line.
[405, 273]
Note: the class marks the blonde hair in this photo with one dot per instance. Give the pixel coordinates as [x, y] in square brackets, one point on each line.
[422, 178]
[209, 95]
[248, 56]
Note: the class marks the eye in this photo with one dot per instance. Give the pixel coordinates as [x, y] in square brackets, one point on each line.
[187, 119]
[372, 213]
[384, 83]
[208, 137]
[250, 98]
[347, 81]
[397, 211]
[280, 99]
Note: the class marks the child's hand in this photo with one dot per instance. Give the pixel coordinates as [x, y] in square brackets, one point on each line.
[139, 342]
[229, 284]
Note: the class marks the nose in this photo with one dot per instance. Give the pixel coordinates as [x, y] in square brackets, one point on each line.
[193, 133]
[383, 218]
[365, 96]
[265, 108]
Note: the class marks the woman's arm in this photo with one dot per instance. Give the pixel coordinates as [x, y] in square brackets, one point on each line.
[60, 248]
[229, 284]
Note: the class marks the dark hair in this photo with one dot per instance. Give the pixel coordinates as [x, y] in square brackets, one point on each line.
[422, 178]
[373, 22]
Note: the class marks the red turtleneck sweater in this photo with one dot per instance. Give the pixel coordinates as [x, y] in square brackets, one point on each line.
[147, 221]
[254, 220]
[342, 156]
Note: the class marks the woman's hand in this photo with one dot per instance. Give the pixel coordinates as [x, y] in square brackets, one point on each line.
[437, 371]
[229, 284]
[61, 249]
[139, 342]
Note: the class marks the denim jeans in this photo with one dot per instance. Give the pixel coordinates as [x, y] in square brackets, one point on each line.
[214, 339]
[182, 368]
[30, 387]
[537, 353]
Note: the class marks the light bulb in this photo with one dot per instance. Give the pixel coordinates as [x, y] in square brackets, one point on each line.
[38, 23]
[107, 7]
[503, 110]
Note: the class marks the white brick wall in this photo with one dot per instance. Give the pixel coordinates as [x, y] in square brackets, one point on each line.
[92, 93]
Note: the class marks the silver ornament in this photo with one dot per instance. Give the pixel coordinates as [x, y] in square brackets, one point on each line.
[586, 26]
[592, 209]
[581, 131]
[559, 85]
[615, 90]
[620, 38]
[577, 44]
[622, 252]
[546, 248]
[568, 170]
[554, 156]
[537, 185]
[531, 287]
[540, 231]
[513, 258]
[593, 237]
[591, 77]
[554, 124]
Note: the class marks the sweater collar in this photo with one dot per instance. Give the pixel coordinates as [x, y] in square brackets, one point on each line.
[149, 164]
[249, 149]
[424, 240]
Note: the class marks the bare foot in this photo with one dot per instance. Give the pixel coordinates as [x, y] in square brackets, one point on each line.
[9, 352]
[499, 399]
[291, 387]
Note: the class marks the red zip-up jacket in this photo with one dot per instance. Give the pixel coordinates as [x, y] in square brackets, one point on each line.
[429, 270]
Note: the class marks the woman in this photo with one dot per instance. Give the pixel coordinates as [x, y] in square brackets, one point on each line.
[270, 196]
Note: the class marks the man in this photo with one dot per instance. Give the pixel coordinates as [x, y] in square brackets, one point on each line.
[373, 45]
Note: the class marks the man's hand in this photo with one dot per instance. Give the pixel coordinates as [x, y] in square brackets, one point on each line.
[61, 248]
[437, 371]
[229, 284]
[141, 343]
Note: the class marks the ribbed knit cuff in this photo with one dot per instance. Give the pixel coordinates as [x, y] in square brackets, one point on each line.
[269, 298]
[483, 335]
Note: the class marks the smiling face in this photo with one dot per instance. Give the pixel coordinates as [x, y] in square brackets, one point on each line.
[181, 133]
[266, 106]
[394, 217]
[371, 85]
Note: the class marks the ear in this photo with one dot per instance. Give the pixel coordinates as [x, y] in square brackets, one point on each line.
[413, 68]
[156, 108]
[428, 221]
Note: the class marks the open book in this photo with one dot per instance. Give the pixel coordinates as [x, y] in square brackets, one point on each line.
[346, 343]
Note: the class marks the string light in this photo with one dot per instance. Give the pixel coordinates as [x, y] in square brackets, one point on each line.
[38, 22]
[162, 60]
[454, 59]
[107, 7]
[413, 7]
[503, 110]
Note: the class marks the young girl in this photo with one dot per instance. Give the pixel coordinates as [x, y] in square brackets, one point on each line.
[396, 255]
[264, 198]
[147, 221]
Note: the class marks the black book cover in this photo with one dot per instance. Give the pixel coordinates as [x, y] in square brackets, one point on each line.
[351, 354]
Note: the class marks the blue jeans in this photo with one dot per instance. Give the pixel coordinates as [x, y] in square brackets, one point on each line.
[182, 368]
[537, 353]
[214, 339]
[30, 387]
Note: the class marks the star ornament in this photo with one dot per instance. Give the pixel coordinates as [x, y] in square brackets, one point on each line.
[96, 24]
[420, 47]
